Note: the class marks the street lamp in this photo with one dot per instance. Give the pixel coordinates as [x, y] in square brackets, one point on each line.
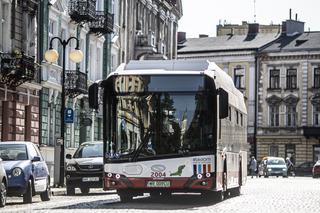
[76, 56]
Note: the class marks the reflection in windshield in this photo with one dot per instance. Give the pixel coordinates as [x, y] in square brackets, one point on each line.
[89, 151]
[166, 123]
[10, 152]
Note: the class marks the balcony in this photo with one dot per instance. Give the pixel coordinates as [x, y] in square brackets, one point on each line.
[311, 131]
[82, 10]
[145, 44]
[102, 23]
[30, 6]
[75, 83]
[17, 68]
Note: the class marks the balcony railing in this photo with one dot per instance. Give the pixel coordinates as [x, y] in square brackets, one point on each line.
[102, 23]
[17, 68]
[82, 10]
[30, 6]
[75, 83]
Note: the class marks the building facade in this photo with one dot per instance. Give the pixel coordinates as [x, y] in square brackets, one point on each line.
[19, 71]
[288, 95]
[237, 29]
[236, 55]
[89, 21]
[144, 29]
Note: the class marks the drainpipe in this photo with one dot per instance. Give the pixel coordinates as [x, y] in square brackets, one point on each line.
[255, 104]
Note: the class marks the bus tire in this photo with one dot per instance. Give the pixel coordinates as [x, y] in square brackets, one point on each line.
[220, 195]
[125, 196]
[155, 194]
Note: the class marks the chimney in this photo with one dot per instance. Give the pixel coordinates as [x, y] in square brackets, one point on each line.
[290, 14]
[181, 37]
[253, 29]
[296, 16]
[203, 36]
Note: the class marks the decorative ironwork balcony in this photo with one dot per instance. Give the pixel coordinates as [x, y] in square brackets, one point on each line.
[103, 23]
[75, 83]
[30, 6]
[82, 10]
[17, 68]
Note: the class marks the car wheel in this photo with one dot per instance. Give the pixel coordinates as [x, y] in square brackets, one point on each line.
[85, 190]
[45, 196]
[3, 194]
[27, 196]
[70, 191]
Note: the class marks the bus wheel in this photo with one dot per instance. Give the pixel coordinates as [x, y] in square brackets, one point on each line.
[237, 191]
[155, 194]
[125, 196]
[220, 195]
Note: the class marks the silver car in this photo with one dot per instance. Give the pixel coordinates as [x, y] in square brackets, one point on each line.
[274, 166]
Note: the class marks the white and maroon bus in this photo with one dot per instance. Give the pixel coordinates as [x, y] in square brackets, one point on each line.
[172, 126]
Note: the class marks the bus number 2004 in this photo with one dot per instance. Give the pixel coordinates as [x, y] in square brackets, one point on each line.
[158, 174]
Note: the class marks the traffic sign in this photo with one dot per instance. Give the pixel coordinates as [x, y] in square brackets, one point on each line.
[68, 115]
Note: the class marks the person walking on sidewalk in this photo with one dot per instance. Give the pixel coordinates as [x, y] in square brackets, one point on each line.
[253, 166]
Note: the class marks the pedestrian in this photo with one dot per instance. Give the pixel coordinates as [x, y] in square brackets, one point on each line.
[290, 166]
[253, 166]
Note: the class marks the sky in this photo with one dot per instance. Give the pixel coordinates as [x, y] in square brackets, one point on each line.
[202, 16]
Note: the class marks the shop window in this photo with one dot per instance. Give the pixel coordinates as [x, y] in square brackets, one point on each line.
[273, 150]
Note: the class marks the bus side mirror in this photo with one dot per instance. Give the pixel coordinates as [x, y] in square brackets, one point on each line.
[93, 96]
[223, 104]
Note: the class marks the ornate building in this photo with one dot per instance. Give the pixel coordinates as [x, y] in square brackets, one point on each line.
[236, 55]
[90, 22]
[145, 29]
[19, 71]
[288, 123]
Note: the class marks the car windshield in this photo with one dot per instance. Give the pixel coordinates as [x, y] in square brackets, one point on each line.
[10, 152]
[89, 150]
[276, 162]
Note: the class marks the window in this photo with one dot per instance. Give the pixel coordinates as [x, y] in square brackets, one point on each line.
[316, 153]
[4, 26]
[273, 150]
[291, 116]
[237, 117]
[291, 152]
[241, 119]
[230, 113]
[239, 78]
[274, 115]
[291, 78]
[316, 114]
[316, 77]
[274, 79]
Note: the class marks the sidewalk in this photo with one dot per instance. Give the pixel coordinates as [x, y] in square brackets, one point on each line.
[55, 191]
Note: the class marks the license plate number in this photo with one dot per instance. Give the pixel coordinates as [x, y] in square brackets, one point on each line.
[158, 184]
[89, 179]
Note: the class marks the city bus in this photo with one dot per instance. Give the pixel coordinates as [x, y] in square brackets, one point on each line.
[172, 126]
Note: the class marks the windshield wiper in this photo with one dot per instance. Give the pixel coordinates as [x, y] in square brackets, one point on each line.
[143, 143]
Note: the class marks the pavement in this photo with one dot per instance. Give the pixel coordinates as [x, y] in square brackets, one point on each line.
[58, 191]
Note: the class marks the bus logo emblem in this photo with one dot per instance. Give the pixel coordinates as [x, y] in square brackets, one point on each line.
[158, 168]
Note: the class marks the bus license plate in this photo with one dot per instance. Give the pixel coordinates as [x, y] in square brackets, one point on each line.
[158, 184]
[89, 179]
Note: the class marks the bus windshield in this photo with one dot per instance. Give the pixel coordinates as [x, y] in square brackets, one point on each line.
[154, 124]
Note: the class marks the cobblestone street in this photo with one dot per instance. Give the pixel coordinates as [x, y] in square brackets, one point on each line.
[300, 194]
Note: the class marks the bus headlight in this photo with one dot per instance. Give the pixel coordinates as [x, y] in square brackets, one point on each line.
[199, 176]
[109, 175]
[117, 176]
[16, 172]
[208, 175]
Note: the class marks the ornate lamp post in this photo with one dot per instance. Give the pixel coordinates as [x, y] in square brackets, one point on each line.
[76, 56]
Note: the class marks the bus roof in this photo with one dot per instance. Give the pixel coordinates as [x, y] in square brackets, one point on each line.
[183, 67]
